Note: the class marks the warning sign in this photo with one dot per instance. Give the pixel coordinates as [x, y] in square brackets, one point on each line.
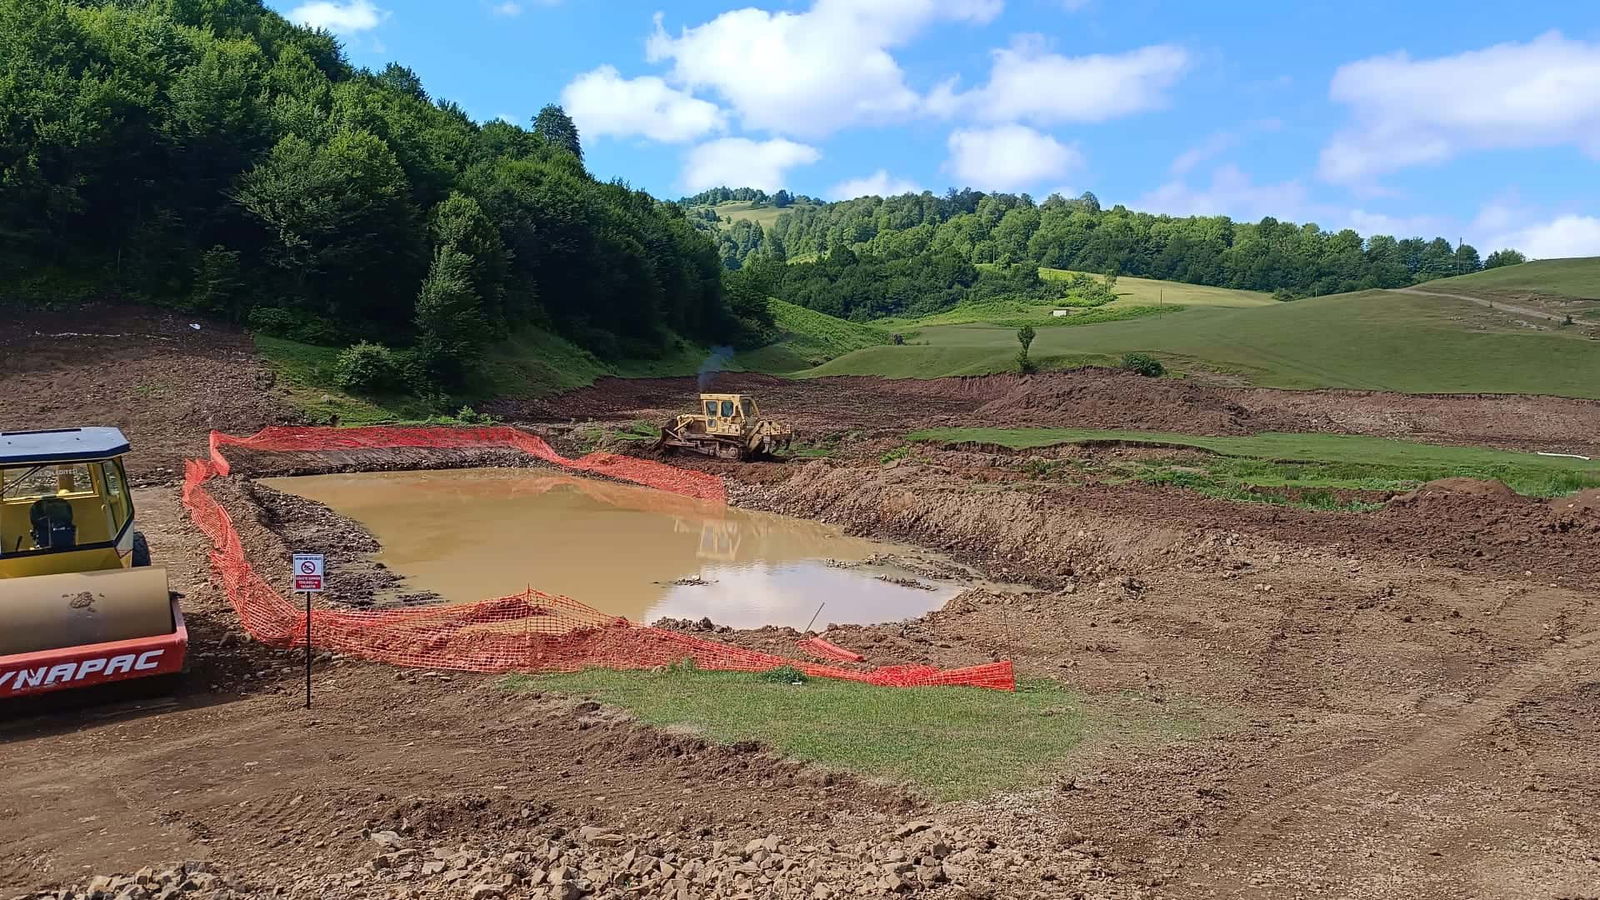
[308, 572]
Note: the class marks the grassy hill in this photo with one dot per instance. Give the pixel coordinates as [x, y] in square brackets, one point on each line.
[1577, 278]
[528, 362]
[1378, 340]
[808, 338]
[763, 214]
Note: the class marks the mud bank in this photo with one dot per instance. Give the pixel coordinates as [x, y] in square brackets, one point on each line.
[1052, 535]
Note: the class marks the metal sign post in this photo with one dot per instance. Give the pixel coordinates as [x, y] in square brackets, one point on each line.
[308, 578]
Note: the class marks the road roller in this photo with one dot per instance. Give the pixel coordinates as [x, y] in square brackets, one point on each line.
[80, 603]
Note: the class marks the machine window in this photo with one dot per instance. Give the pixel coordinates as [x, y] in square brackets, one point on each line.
[46, 481]
[727, 409]
[711, 408]
[116, 495]
[748, 407]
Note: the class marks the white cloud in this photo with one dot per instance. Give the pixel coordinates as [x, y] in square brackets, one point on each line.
[1213, 146]
[1231, 193]
[1028, 84]
[340, 18]
[1009, 157]
[1371, 223]
[603, 103]
[1568, 235]
[508, 9]
[1411, 112]
[741, 162]
[878, 184]
[810, 73]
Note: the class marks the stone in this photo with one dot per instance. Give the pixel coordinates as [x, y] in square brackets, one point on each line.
[389, 840]
[484, 892]
[911, 828]
[600, 837]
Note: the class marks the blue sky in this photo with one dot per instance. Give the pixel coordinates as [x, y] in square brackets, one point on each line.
[1473, 120]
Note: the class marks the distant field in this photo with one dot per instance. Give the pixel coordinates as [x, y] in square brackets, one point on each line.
[1017, 313]
[764, 216]
[1150, 292]
[1376, 340]
[1318, 460]
[1576, 278]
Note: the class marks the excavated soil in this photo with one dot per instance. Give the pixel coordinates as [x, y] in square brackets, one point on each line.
[1101, 398]
[1395, 704]
[166, 384]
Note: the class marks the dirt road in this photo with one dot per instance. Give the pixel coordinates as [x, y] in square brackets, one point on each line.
[1503, 306]
[1394, 705]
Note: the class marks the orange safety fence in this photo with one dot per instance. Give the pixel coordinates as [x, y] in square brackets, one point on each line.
[829, 650]
[527, 632]
[700, 485]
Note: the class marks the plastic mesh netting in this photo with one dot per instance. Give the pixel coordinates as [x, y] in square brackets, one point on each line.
[528, 632]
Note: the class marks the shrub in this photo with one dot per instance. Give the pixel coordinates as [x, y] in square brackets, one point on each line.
[784, 675]
[370, 369]
[1144, 364]
[292, 324]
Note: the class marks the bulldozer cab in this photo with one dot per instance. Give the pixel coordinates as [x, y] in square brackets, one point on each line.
[729, 414]
[65, 505]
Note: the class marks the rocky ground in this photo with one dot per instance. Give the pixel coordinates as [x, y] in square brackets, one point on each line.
[1396, 704]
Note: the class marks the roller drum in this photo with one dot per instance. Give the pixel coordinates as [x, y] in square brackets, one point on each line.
[49, 612]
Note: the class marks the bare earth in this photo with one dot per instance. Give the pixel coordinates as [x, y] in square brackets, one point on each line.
[1400, 704]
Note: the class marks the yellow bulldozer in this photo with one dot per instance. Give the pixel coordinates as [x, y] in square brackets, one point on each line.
[80, 603]
[728, 426]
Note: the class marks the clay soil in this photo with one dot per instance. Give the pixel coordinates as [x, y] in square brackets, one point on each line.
[1403, 703]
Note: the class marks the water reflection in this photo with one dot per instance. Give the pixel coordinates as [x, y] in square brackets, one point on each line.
[468, 534]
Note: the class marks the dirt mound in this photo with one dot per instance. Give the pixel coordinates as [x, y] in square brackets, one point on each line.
[1459, 487]
[165, 380]
[1583, 503]
[1107, 398]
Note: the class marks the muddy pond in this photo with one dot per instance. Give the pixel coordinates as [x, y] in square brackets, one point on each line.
[472, 534]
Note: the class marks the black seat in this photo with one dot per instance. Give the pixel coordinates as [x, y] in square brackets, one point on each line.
[52, 524]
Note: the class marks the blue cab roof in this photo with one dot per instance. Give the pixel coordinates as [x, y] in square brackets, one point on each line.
[61, 445]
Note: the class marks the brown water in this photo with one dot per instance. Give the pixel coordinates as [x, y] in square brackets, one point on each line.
[471, 534]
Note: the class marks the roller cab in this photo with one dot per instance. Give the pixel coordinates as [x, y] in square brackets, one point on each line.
[80, 603]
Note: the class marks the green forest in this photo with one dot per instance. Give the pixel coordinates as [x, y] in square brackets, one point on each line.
[968, 227]
[210, 156]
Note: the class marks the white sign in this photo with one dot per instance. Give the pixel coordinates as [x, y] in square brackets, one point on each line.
[308, 572]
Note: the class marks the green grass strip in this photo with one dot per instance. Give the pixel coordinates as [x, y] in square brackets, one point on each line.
[1384, 463]
[953, 743]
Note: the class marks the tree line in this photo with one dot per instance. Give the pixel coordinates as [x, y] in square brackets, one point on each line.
[211, 156]
[863, 287]
[1077, 233]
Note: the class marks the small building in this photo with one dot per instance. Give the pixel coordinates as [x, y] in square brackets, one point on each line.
[1061, 313]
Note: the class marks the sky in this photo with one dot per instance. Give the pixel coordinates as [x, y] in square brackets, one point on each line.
[1464, 119]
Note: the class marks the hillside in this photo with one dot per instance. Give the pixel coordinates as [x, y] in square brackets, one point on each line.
[808, 338]
[1577, 278]
[1377, 340]
[241, 166]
